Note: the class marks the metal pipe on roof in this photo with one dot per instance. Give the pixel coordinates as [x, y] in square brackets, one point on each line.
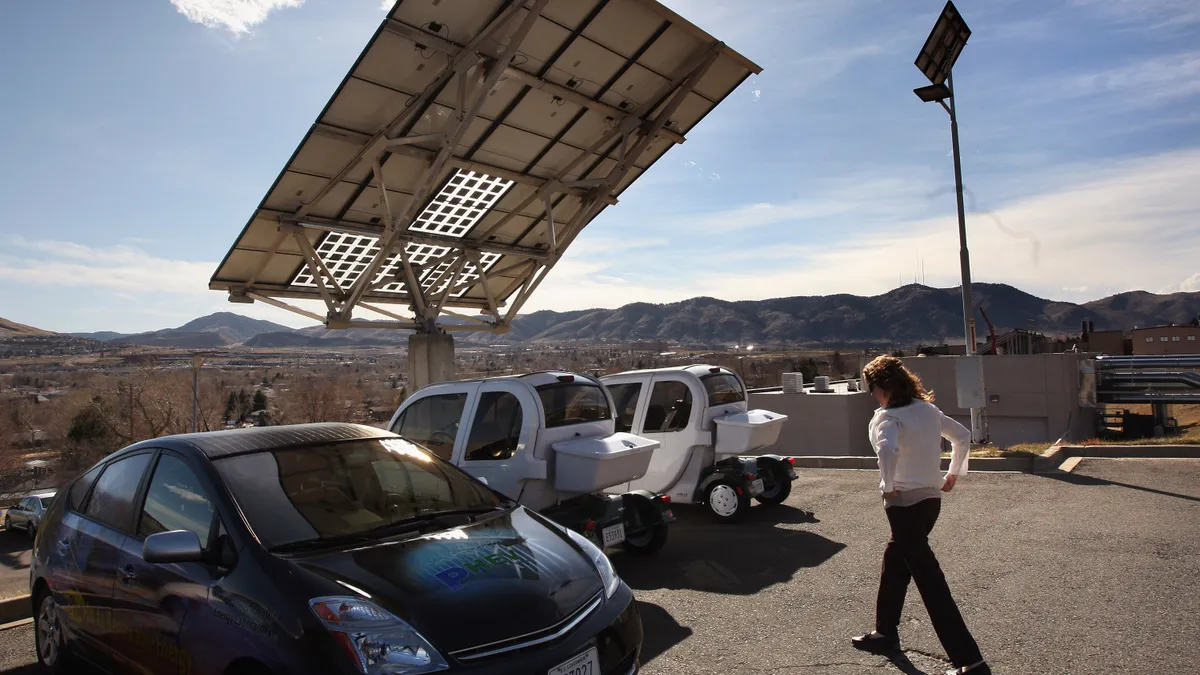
[1185, 361]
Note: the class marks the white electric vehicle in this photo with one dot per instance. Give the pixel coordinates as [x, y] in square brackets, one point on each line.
[548, 441]
[699, 415]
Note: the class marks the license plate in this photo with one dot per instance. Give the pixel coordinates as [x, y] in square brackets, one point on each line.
[756, 486]
[586, 663]
[611, 536]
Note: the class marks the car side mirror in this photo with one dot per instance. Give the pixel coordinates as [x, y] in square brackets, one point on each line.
[176, 546]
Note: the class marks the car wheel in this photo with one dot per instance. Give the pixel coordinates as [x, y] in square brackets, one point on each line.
[652, 536]
[726, 502]
[7, 523]
[48, 636]
[777, 485]
[31, 530]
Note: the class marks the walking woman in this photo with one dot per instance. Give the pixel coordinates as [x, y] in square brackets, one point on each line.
[907, 432]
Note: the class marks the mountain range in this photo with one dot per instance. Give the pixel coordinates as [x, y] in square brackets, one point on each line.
[908, 315]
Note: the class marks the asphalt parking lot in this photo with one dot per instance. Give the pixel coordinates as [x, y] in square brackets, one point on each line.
[1091, 572]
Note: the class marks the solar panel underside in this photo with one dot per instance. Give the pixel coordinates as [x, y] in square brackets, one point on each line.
[583, 68]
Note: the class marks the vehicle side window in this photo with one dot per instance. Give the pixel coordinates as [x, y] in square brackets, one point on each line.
[80, 489]
[496, 430]
[175, 500]
[625, 397]
[433, 422]
[111, 502]
[669, 409]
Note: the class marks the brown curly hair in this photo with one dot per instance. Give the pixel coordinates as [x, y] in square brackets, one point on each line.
[902, 385]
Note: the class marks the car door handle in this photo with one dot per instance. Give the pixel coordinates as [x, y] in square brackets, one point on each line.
[127, 574]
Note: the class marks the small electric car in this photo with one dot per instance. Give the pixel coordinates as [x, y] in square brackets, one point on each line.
[27, 514]
[316, 548]
[548, 441]
[699, 416]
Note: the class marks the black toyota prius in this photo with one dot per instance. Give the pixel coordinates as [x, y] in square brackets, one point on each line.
[317, 548]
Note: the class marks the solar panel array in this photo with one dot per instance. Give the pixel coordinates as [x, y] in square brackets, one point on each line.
[474, 140]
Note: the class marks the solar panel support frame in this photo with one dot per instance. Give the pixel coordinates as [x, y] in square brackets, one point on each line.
[425, 254]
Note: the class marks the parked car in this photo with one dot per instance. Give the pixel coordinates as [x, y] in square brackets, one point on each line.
[317, 548]
[27, 514]
[700, 416]
[548, 440]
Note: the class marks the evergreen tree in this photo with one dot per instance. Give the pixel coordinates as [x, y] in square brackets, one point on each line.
[260, 401]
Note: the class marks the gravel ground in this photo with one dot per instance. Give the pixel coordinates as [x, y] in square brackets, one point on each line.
[1091, 572]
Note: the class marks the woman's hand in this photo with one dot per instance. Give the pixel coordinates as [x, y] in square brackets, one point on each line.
[951, 479]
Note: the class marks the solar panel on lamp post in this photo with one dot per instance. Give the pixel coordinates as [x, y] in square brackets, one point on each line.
[936, 61]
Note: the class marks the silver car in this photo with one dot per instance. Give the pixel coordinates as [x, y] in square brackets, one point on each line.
[27, 514]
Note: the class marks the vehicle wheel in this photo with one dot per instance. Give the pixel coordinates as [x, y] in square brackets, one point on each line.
[725, 503]
[653, 534]
[777, 485]
[48, 636]
[31, 530]
[7, 523]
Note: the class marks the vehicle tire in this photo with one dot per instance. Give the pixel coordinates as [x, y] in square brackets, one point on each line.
[48, 636]
[777, 485]
[30, 530]
[7, 524]
[725, 502]
[652, 537]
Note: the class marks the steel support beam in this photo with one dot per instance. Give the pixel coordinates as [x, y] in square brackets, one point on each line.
[453, 136]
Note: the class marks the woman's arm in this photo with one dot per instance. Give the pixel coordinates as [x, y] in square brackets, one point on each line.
[887, 446]
[960, 445]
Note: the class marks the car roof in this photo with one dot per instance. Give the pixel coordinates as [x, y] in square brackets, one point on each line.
[697, 369]
[222, 443]
[534, 379]
[46, 493]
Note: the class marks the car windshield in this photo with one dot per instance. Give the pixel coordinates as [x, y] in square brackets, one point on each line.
[316, 493]
[573, 403]
[723, 388]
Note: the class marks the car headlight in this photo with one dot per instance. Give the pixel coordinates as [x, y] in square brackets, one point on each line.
[607, 574]
[379, 642]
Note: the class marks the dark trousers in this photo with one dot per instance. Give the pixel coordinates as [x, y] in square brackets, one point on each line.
[908, 557]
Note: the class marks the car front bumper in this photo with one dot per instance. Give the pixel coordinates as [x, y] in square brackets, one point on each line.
[614, 629]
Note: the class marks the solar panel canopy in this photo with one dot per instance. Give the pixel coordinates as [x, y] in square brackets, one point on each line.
[466, 149]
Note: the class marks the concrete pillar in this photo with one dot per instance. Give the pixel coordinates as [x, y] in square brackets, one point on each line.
[430, 360]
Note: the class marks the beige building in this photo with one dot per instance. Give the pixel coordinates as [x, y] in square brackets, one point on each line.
[1110, 342]
[1165, 340]
[1031, 399]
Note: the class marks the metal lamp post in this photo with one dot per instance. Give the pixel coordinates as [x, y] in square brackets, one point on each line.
[936, 60]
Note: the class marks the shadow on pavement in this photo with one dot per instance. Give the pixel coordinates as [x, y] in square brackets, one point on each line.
[1080, 479]
[661, 631]
[14, 550]
[23, 670]
[735, 559]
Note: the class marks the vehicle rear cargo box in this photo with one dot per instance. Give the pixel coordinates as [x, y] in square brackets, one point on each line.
[745, 432]
[587, 465]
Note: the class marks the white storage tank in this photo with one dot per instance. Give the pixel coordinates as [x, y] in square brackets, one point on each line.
[586, 465]
[744, 432]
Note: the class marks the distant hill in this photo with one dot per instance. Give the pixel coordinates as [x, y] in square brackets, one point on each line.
[14, 329]
[907, 315]
[207, 332]
[101, 335]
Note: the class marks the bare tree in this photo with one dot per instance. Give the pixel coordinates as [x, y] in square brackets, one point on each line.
[318, 398]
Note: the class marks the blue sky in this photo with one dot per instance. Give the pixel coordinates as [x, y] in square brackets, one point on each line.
[136, 142]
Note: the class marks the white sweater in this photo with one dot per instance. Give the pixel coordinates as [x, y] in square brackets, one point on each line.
[908, 441]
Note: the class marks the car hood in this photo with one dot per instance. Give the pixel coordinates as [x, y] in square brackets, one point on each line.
[507, 576]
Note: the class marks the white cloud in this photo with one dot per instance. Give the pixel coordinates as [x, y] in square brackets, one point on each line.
[236, 16]
[146, 292]
[1146, 14]
[1110, 229]
[387, 5]
[1188, 285]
